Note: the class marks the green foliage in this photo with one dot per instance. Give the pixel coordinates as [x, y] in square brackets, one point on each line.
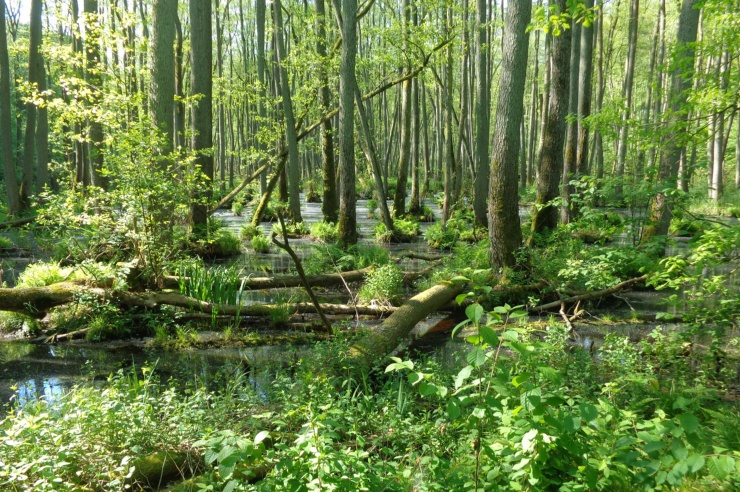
[237, 207]
[325, 231]
[382, 285]
[217, 285]
[439, 237]
[218, 243]
[15, 322]
[248, 231]
[295, 229]
[261, 244]
[42, 274]
[311, 189]
[405, 230]
[6, 244]
[333, 258]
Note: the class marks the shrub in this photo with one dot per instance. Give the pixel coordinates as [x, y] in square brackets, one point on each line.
[16, 322]
[332, 258]
[382, 285]
[261, 244]
[248, 231]
[226, 243]
[325, 231]
[295, 229]
[237, 207]
[43, 274]
[6, 244]
[441, 238]
[312, 192]
[405, 231]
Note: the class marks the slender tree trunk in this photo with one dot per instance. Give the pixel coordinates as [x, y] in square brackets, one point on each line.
[347, 87]
[201, 83]
[482, 119]
[6, 124]
[449, 160]
[551, 160]
[399, 198]
[415, 202]
[571, 136]
[29, 144]
[629, 75]
[179, 90]
[294, 169]
[330, 204]
[660, 211]
[503, 198]
[94, 69]
[162, 70]
[584, 98]
[718, 157]
[526, 177]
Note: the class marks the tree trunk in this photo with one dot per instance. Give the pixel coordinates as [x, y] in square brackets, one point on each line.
[571, 136]
[6, 123]
[503, 198]
[383, 339]
[201, 82]
[162, 70]
[629, 72]
[551, 153]
[329, 205]
[482, 119]
[584, 96]
[660, 210]
[260, 8]
[294, 169]
[347, 87]
[399, 198]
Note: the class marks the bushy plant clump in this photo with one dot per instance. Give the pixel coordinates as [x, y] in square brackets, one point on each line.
[261, 244]
[333, 258]
[295, 229]
[325, 231]
[406, 230]
[248, 231]
[382, 285]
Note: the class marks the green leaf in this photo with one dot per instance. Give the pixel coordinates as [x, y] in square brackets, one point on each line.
[426, 389]
[519, 379]
[461, 297]
[678, 450]
[459, 278]
[721, 466]
[476, 357]
[261, 437]
[588, 412]
[653, 446]
[415, 377]
[695, 462]
[689, 423]
[453, 411]
[474, 312]
[488, 335]
[229, 487]
[462, 376]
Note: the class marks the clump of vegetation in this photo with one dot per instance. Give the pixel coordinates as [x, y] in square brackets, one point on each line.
[439, 237]
[6, 244]
[295, 229]
[325, 231]
[237, 207]
[261, 244]
[333, 258]
[16, 323]
[248, 231]
[42, 274]
[372, 208]
[383, 285]
[218, 244]
[405, 231]
[313, 195]
[423, 214]
[217, 285]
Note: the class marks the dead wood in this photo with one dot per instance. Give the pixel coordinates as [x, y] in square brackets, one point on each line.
[590, 295]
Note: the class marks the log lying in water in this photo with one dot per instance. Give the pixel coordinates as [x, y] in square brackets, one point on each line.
[591, 295]
[384, 338]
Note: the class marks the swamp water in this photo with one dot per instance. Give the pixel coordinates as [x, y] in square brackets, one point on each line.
[32, 371]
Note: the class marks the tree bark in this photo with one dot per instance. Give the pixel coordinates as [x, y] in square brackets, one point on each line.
[482, 119]
[329, 205]
[503, 198]
[629, 72]
[162, 70]
[6, 124]
[383, 339]
[571, 137]
[399, 198]
[683, 63]
[201, 82]
[347, 86]
[551, 153]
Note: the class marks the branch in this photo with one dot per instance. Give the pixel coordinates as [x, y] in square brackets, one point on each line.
[591, 295]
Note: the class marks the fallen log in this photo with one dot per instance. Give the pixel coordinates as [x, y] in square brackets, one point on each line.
[17, 222]
[381, 340]
[36, 301]
[590, 295]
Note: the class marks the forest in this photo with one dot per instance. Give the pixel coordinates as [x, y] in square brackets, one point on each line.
[408, 245]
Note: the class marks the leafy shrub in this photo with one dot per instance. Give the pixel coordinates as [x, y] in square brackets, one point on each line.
[16, 322]
[331, 258]
[325, 231]
[43, 274]
[6, 244]
[372, 208]
[248, 231]
[295, 229]
[261, 244]
[237, 207]
[219, 243]
[312, 192]
[405, 231]
[382, 285]
[439, 237]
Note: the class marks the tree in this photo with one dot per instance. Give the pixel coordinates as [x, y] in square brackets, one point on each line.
[629, 76]
[503, 199]
[551, 151]
[162, 70]
[482, 118]
[347, 86]
[404, 157]
[6, 124]
[676, 121]
[201, 81]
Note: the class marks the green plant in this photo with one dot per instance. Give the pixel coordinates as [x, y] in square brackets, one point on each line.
[248, 231]
[405, 230]
[42, 274]
[331, 258]
[382, 285]
[261, 244]
[237, 207]
[439, 237]
[325, 231]
[6, 244]
[295, 229]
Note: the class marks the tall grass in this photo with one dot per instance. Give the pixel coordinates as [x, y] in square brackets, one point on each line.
[218, 285]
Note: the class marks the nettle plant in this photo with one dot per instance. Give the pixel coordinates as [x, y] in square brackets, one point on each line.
[529, 429]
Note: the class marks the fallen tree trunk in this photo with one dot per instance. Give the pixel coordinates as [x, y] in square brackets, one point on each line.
[17, 222]
[590, 295]
[36, 301]
[384, 338]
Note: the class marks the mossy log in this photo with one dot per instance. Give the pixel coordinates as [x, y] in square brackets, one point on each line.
[382, 340]
[36, 301]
